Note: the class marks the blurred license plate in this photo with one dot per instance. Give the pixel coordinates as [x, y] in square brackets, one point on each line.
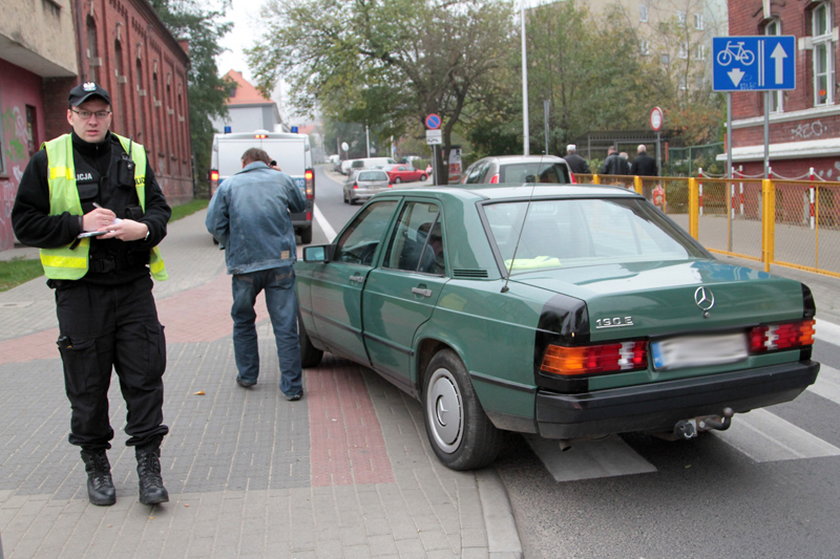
[697, 351]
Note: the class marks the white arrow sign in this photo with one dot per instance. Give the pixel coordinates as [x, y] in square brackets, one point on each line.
[735, 74]
[779, 56]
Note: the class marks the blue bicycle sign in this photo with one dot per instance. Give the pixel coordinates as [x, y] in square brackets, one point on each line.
[754, 63]
[735, 52]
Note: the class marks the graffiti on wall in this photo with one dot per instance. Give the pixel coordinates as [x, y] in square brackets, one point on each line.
[810, 130]
[17, 145]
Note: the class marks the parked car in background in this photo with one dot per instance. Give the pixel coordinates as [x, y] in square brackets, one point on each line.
[568, 312]
[361, 185]
[405, 173]
[346, 165]
[335, 162]
[518, 169]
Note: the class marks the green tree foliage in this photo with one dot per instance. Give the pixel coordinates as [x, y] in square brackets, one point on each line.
[585, 67]
[202, 27]
[694, 112]
[384, 63]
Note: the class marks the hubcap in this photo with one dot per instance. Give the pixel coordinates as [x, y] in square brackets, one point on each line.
[443, 410]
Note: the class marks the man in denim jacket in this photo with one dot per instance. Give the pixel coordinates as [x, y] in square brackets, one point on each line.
[249, 216]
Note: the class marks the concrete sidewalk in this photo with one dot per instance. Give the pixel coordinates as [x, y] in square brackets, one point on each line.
[345, 472]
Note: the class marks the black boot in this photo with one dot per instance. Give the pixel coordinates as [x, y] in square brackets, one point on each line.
[100, 486]
[152, 491]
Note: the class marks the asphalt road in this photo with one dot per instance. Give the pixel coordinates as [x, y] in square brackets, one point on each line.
[767, 488]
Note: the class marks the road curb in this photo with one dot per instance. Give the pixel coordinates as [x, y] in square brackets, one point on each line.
[502, 537]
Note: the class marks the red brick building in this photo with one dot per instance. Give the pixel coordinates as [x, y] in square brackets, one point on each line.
[804, 123]
[121, 44]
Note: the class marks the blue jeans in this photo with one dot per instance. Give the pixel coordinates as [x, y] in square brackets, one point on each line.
[281, 300]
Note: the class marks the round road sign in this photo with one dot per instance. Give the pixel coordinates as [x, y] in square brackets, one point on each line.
[656, 119]
[432, 121]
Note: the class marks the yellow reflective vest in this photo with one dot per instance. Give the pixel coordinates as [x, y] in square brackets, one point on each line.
[72, 264]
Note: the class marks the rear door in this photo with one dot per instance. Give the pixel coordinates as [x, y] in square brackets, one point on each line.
[401, 294]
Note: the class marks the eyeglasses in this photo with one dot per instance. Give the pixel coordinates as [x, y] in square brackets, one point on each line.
[85, 115]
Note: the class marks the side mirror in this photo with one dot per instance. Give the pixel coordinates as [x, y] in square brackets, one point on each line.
[318, 253]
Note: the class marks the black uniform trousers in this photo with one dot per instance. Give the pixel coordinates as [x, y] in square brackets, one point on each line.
[111, 326]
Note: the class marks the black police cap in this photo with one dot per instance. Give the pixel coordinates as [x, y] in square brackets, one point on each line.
[86, 91]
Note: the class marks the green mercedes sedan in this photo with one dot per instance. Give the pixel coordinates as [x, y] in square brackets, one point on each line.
[565, 311]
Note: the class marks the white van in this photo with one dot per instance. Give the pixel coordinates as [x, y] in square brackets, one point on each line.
[374, 163]
[290, 151]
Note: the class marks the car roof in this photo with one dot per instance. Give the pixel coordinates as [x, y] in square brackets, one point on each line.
[502, 159]
[507, 192]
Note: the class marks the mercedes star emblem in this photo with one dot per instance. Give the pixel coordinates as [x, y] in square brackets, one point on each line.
[704, 298]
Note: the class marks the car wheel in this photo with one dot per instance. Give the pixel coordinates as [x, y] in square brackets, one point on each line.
[461, 435]
[310, 356]
[423, 177]
[397, 180]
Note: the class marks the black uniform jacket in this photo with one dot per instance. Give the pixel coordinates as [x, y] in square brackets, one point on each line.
[101, 177]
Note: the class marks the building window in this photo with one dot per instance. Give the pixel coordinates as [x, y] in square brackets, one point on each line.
[683, 52]
[774, 27]
[823, 54]
[92, 52]
[643, 14]
[700, 52]
[119, 78]
[698, 22]
[644, 47]
[665, 59]
[31, 130]
[681, 19]
[141, 101]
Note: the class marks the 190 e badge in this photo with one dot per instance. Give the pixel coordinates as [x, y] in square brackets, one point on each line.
[613, 322]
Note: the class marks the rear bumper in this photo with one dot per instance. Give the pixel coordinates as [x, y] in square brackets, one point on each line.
[656, 407]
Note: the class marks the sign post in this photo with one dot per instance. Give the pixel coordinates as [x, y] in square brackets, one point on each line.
[434, 138]
[753, 63]
[657, 117]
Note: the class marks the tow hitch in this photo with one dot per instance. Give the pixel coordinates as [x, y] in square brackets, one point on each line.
[690, 428]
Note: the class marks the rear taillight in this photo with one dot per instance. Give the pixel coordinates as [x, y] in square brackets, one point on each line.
[355, 185]
[309, 181]
[494, 179]
[778, 337]
[594, 359]
[572, 178]
[214, 181]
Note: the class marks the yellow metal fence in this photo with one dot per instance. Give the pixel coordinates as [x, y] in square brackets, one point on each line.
[777, 222]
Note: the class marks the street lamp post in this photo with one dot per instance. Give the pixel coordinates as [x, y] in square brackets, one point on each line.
[525, 132]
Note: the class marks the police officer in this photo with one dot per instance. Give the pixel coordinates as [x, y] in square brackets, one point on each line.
[90, 202]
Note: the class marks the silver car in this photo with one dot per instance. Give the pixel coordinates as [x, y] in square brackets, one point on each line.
[518, 169]
[363, 184]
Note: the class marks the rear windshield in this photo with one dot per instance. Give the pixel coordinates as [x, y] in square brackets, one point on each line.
[372, 176]
[534, 171]
[572, 232]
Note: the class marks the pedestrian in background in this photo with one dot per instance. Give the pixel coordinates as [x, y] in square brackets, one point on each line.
[249, 216]
[614, 164]
[576, 163]
[644, 165]
[89, 200]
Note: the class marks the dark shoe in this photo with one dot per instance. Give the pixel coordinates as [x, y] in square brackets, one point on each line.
[152, 491]
[100, 486]
[245, 383]
[293, 397]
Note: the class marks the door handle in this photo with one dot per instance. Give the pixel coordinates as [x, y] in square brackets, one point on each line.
[357, 279]
[422, 291]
